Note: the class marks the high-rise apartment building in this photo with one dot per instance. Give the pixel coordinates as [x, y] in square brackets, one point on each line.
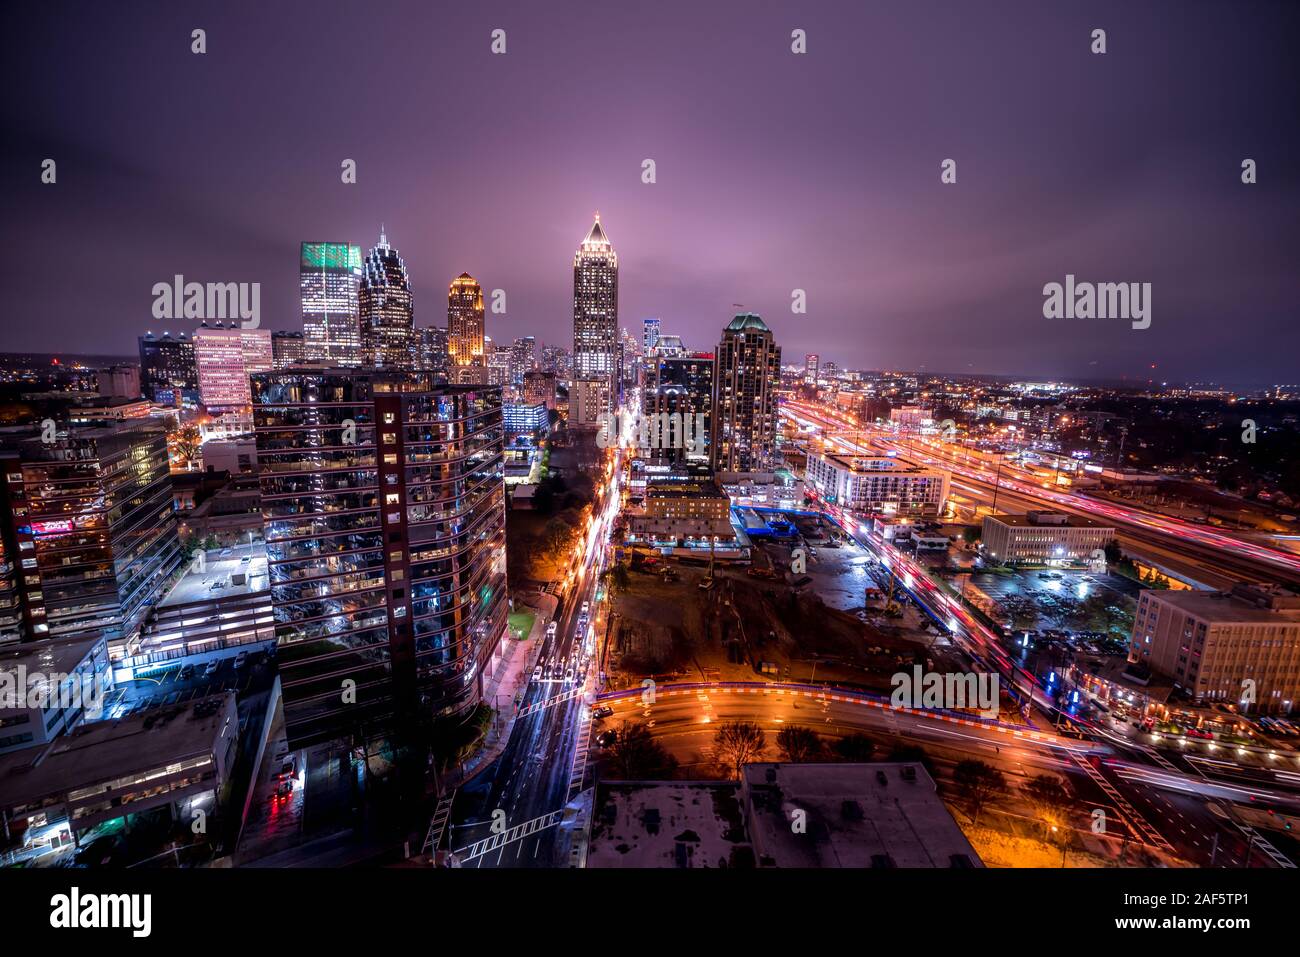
[810, 363]
[434, 351]
[387, 317]
[167, 370]
[329, 281]
[748, 374]
[650, 334]
[595, 306]
[89, 527]
[523, 359]
[383, 502]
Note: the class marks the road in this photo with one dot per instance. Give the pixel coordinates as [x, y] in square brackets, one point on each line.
[509, 815]
[1214, 550]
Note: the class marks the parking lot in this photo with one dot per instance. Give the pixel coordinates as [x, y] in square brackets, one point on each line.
[177, 683]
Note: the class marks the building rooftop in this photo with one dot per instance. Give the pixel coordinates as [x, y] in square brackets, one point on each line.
[1245, 604]
[59, 656]
[668, 824]
[1048, 520]
[106, 750]
[858, 815]
[747, 322]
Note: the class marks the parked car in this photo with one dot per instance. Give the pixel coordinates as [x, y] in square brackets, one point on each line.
[241, 659]
[604, 711]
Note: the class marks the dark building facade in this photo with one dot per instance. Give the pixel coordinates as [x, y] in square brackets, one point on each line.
[287, 349]
[682, 385]
[748, 375]
[384, 511]
[167, 370]
[89, 528]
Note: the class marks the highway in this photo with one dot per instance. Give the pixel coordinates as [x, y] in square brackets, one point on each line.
[1213, 550]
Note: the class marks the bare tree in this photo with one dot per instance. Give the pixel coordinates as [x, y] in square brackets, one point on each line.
[736, 743]
[798, 744]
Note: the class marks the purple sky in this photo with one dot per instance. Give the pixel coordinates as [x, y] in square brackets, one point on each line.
[775, 171]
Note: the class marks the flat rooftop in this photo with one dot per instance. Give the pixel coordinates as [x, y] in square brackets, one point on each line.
[61, 655]
[874, 464]
[1035, 520]
[668, 824]
[1219, 606]
[106, 750]
[879, 814]
[196, 586]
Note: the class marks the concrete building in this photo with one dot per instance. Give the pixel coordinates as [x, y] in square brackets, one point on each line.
[1044, 538]
[881, 485]
[686, 513]
[588, 401]
[49, 687]
[178, 758]
[1240, 646]
[879, 815]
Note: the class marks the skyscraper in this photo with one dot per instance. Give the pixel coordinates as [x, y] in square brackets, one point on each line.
[748, 374]
[383, 501]
[650, 335]
[810, 363]
[465, 329]
[287, 349]
[329, 280]
[387, 318]
[595, 307]
[683, 384]
[434, 351]
[224, 357]
[167, 371]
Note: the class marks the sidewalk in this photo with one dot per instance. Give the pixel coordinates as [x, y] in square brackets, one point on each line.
[502, 691]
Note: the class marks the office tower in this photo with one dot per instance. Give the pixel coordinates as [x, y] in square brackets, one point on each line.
[748, 374]
[11, 629]
[683, 384]
[522, 359]
[1218, 646]
[669, 346]
[595, 306]
[466, 342]
[88, 518]
[329, 282]
[167, 370]
[384, 509]
[539, 387]
[810, 363]
[650, 335]
[287, 349]
[120, 382]
[387, 319]
[225, 356]
[434, 351]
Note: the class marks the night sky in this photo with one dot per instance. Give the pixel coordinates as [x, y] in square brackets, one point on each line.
[775, 171]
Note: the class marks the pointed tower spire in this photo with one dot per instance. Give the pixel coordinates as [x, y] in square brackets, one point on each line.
[383, 236]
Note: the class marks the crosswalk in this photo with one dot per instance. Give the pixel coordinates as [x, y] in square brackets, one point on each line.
[1258, 840]
[516, 833]
[550, 702]
[438, 826]
[1128, 812]
[579, 773]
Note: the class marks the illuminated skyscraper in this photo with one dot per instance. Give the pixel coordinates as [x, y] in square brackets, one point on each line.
[748, 374]
[329, 279]
[167, 372]
[650, 335]
[595, 307]
[387, 319]
[465, 330]
[810, 363]
[225, 356]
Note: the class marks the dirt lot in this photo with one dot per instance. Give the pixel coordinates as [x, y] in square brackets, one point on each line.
[676, 630]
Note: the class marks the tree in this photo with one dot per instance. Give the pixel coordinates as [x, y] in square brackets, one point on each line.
[978, 783]
[737, 743]
[556, 537]
[798, 744]
[184, 445]
[855, 747]
[972, 533]
[1049, 799]
[635, 755]
[1114, 554]
[618, 580]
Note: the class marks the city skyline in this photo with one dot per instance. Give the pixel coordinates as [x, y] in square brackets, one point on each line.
[842, 200]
